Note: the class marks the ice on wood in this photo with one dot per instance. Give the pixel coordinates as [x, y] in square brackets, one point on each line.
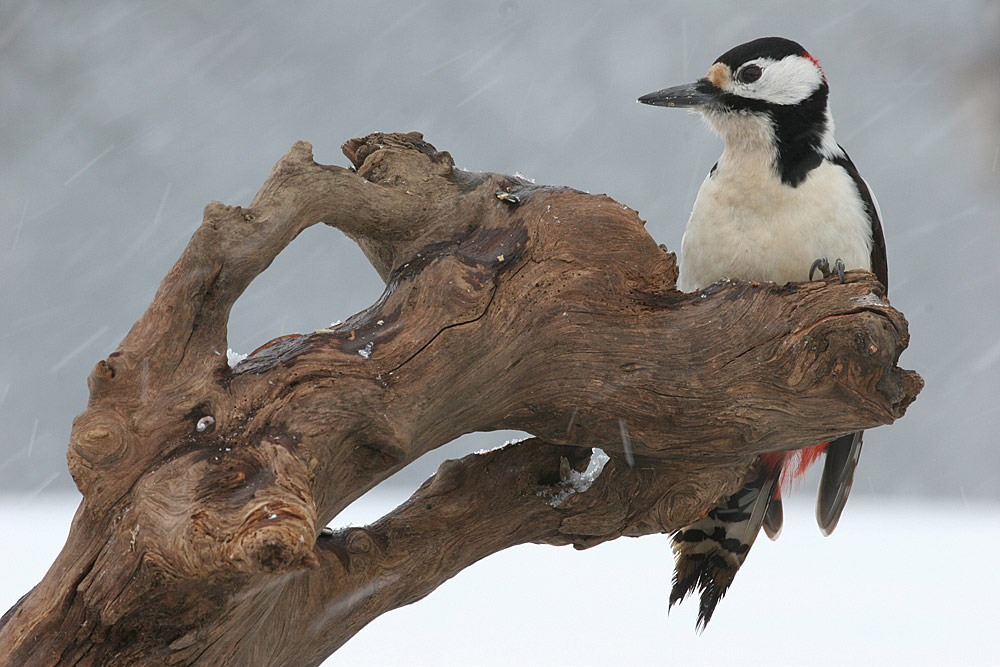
[234, 357]
[578, 482]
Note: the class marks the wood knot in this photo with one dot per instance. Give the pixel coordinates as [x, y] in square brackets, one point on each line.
[363, 548]
[275, 539]
[96, 434]
[276, 555]
[100, 443]
[96, 443]
[361, 541]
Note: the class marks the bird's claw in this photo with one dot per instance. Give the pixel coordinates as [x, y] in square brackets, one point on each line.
[823, 265]
[838, 266]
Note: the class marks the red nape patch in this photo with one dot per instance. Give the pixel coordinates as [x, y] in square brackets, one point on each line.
[820, 68]
[791, 464]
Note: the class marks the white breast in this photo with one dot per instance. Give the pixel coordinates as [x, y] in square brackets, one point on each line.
[747, 224]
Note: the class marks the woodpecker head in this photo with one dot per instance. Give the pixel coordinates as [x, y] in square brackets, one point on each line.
[768, 94]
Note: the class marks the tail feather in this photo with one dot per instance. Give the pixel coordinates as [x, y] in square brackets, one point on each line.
[709, 552]
[842, 457]
[774, 518]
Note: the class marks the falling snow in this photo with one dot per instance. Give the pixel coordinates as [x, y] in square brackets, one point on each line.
[114, 145]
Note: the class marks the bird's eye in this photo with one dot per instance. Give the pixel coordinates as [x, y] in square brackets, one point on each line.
[749, 74]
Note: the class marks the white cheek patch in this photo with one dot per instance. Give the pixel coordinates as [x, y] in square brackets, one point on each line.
[786, 81]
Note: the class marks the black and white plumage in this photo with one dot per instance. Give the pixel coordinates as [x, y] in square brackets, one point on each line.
[782, 196]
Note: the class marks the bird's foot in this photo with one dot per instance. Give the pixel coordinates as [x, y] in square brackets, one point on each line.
[823, 265]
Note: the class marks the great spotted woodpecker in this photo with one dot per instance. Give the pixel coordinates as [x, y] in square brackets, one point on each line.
[782, 199]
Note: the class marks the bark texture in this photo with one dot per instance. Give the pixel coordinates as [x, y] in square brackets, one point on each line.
[507, 306]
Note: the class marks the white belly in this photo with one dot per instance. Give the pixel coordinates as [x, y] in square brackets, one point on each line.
[750, 226]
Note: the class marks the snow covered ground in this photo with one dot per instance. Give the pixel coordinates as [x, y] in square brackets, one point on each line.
[899, 583]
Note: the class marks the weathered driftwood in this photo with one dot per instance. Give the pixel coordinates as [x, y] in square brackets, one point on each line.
[507, 305]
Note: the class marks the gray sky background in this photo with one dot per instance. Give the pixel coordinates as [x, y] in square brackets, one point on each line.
[119, 121]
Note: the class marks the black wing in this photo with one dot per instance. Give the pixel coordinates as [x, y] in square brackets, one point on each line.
[843, 453]
[880, 266]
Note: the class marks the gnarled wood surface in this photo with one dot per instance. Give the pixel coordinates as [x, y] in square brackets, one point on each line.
[507, 305]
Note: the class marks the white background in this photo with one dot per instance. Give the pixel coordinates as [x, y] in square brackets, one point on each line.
[898, 583]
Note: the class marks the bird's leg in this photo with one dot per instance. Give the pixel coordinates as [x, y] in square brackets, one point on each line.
[824, 267]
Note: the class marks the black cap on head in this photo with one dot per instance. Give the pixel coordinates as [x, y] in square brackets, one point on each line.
[764, 47]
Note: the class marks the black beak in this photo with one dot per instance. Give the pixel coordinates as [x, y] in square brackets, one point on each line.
[688, 96]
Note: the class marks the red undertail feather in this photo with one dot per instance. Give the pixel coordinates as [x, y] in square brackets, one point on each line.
[792, 465]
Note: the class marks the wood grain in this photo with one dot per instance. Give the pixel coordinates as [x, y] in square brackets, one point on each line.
[507, 305]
